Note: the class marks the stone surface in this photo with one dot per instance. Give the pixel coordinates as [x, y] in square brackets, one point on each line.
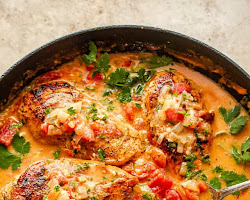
[28, 24]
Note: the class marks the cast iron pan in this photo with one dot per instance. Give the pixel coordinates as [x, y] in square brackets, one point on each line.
[126, 38]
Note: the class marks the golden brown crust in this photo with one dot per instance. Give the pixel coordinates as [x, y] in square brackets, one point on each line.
[36, 181]
[162, 87]
[34, 103]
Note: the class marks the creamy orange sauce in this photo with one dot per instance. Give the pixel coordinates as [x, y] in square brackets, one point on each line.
[212, 95]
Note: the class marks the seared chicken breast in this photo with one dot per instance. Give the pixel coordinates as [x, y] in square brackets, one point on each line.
[178, 121]
[57, 114]
[70, 179]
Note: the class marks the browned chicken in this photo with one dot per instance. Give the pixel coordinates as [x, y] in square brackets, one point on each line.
[179, 123]
[70, 179]
[58, 114]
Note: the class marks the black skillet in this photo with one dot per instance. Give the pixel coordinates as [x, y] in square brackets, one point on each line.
[124, 38]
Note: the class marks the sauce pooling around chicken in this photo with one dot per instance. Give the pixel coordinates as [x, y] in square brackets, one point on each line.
[167, 129]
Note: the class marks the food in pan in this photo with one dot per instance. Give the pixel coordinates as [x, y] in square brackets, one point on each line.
[122, 126]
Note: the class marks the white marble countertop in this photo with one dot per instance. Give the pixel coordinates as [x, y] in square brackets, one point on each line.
[28, 24]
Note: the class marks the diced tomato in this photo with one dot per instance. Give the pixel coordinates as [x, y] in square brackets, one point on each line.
[49, 76]
[88, 136]
[151, 137]
[67, 128]
[109, 130]
[144, 171]
[172, 195]
[6, 134]
[140, 125]
[97, 77]
[202, 186]
[128, 110]
[160, 182]
[159, 157]
[45, 128]
[172, 115]
[69, 152]
[180, 87]
[127, 63]
[191, 195]
[90, 68]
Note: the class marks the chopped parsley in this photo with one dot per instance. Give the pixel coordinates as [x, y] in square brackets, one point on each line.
[175, 94]
[94, 117]
[217, 169]
[206, 158]
[93, 198]
[18, 125]
[110, 108]
[137, 105]
[104, 117]
[148, 196]
[91, 109]
[139, 89]
[235, 123]
[102, 65]
[57, 188]
[242, 155]
[8, 159]
[124, 80]
[47, 110]
[184, 113]
[86, 165]
[238, 124]
[231, 178]
[56, 154]
[190, 173]
[71, 111]
[108, 92]
[101, 154]
[191, 157]
[215, 183]
[171, 69]
[102, 136]
[91, 57]
[20, 146]
[198, 174]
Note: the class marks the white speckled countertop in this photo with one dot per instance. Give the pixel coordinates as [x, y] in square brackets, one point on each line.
[28, 24]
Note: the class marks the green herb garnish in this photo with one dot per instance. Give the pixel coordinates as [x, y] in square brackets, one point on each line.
[18, 125]
[230, 117]
[215, 183]
[47, 110]
[91, 57]
[242, 155]
[148, 196]
[101, 154]
[217, 169]
[20, 146]
[102, 65]
[56, 154]
[71, 111]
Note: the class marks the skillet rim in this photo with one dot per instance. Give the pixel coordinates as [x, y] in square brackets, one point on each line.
[206, 49]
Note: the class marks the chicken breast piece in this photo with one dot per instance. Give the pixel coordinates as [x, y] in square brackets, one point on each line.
[179, 123]
[57, 114]
[70, 178]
